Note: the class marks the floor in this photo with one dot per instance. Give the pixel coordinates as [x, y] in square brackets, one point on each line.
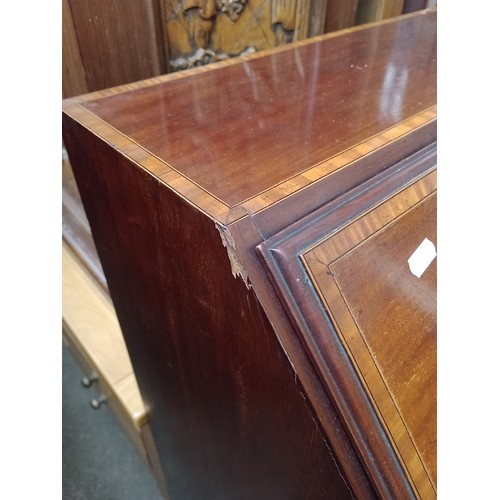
[98, 460]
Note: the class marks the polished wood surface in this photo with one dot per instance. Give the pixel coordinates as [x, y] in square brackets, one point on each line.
[219, 388]
[368, 407]
[357, 87]
[217, 353]
[345, 272]
[397, 319]
[387, 317]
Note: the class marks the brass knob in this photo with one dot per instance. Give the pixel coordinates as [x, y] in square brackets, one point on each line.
[88, 381]
[96, 403]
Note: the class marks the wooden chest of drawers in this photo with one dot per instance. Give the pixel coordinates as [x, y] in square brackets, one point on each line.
[266, 228]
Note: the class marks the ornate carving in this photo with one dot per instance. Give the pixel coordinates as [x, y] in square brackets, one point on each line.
[204, 56]
[233, 8]
[198, 19]
[201, 31]
[283, 20]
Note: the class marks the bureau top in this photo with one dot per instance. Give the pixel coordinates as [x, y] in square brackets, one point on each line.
[245, 132]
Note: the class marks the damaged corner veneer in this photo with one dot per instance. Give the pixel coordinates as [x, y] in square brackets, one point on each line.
[226, 205]
[236, 267]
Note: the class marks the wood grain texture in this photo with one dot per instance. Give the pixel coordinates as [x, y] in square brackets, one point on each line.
[237, 129]
[179, 191]
[337, 162]
[396, 319]
[340, 14]
[74, 81]
[75, 226]
[118, 41]
[299, 294]
[231, 128]
[387, 318]
[228, 416]
[247, 234]
[142, 84]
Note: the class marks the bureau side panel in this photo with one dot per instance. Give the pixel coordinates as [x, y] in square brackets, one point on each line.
[227, 412]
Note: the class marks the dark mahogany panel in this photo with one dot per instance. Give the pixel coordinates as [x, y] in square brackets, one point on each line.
[228, 415]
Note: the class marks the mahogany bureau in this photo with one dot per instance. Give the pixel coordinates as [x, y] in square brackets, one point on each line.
[267, 231]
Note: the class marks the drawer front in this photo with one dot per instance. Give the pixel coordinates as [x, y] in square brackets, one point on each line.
[359, 282]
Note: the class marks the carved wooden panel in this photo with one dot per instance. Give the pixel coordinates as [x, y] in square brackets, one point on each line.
[201, 31]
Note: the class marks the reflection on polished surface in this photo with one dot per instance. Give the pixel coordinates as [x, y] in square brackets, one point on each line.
[258, 132]
[393, 89]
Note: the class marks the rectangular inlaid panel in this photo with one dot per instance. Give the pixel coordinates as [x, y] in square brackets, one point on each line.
[385, 313]
[396, 316]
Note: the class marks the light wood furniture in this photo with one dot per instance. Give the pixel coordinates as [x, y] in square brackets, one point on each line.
[92, 333]
[91, 329]
[256, 220]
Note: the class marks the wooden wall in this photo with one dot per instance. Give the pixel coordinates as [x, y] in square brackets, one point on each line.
[110, 42]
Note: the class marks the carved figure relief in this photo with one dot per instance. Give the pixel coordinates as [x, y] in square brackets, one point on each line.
[202, 31]
[232, 8]
[283, 15]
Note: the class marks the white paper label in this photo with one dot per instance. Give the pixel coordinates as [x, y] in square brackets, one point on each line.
[422, 257]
